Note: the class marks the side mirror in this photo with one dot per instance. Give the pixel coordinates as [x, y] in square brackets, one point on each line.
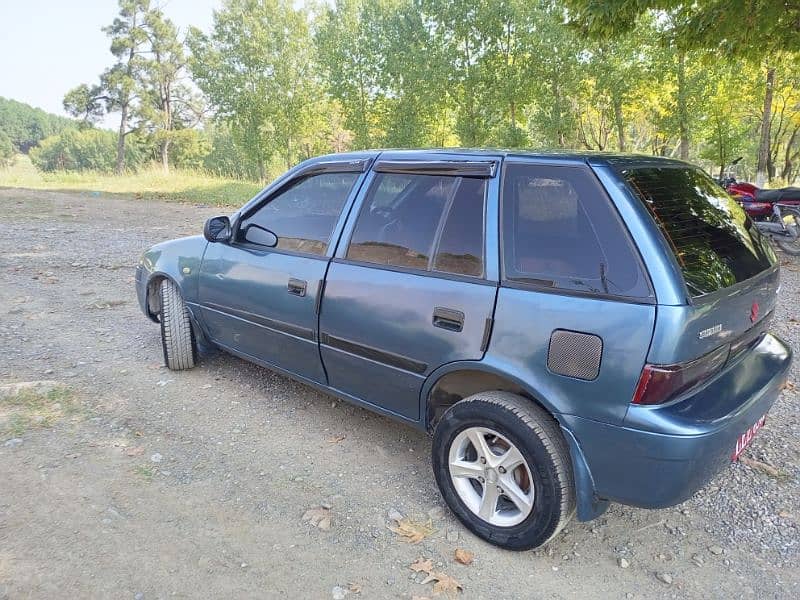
[217, 229]
[255, 234]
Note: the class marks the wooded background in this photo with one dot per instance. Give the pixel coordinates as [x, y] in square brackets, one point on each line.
[271, 84]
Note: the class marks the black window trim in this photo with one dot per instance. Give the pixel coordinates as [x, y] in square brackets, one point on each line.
[429, 270]
[547, 286]
[481, 169]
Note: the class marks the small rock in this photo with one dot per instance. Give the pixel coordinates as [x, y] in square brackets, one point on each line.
[156, 458]
[624, 563]
[394, 514]
[716, 550]
[697, 559]
[452, 535]
[13, 442]
[630, 595]
[664, 578]
[138, 596]
[436, 512]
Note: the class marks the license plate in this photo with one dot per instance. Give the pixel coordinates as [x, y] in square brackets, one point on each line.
[747, 437]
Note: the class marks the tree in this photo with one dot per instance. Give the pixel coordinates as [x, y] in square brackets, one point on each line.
[257, 69]
[25, 126]
[119, 86]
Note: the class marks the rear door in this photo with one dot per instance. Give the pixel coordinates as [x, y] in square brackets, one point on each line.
[413, 283]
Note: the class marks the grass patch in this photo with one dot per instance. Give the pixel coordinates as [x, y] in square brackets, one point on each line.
[150, 183]
[33, 409]
[145, 471]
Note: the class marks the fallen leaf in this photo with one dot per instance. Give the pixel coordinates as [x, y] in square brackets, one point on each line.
[412, 531]
[336, 439]
[422, 564]
[319, 517]
[443, 584]
[354, 588]
[465, 557]
[788, 386]
[761, 466]
[137, 451]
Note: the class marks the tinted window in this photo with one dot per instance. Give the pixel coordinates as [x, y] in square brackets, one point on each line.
[561, 231]
[405, 216]
[716, 245]
[303, 216]
[460, 248]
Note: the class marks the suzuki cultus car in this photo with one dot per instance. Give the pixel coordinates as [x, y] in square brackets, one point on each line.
[573, 330]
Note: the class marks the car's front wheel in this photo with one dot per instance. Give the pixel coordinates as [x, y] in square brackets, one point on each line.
[177, 337]
[504, 469]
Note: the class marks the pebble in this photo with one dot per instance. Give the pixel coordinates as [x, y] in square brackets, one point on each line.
[664, 578]
[156, 458]
[138, 596]
[13, 442]
[624, 563]
[715, 550]
[394, 514]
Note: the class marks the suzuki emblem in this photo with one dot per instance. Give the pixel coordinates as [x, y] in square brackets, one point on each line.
[754, 312]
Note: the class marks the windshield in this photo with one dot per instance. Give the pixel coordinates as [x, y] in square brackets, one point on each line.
[716, 245]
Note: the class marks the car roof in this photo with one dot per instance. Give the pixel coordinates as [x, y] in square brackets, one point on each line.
[617, 160]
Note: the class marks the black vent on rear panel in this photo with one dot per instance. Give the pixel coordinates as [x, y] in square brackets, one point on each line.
[575, 354]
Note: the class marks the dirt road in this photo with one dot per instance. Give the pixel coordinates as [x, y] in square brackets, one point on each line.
[120, 479]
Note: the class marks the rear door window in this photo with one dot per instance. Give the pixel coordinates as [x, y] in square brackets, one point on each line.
[422, 222]
[714, 242]
[560, 231]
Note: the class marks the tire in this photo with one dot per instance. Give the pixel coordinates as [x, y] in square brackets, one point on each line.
[546, 474]
[177, 337]
[790, 246]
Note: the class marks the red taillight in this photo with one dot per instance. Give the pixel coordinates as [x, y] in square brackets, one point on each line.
[661, 383]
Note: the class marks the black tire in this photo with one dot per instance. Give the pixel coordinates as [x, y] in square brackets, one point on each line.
[790, 246]
[177, 337]
[538, 437]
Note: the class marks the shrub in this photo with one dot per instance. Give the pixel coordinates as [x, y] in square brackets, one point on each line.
[88, 149]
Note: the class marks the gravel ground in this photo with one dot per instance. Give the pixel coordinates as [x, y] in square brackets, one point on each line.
[141, 483]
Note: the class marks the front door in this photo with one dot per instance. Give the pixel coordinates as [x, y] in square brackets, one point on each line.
[262, 301]
[410, 291]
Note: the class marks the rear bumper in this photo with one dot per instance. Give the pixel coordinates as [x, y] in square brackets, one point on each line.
[661, 455]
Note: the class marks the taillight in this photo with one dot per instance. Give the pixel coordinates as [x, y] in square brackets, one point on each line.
[662, 383]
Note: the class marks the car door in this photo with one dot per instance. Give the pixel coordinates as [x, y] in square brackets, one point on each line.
[262, 302]
[414, 286]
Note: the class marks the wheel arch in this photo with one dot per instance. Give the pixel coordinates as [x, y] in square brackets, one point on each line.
[453, 382]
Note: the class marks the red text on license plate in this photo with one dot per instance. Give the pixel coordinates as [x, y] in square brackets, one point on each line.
[747, 437]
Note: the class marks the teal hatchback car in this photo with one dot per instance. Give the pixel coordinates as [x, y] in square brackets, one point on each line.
[574, 330]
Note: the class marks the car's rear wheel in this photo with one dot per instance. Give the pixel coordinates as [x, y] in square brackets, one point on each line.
[504, 469]
[177, 337]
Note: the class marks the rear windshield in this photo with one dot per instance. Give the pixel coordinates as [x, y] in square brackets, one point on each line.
[714, 242]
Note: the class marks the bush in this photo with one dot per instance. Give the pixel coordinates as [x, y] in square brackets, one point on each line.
[88, 149]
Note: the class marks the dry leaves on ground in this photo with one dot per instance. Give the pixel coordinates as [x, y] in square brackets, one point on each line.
[318, 517]
[465, 557]
[336, 439]
[412, 531]
[789, 386]
[442, 582]
[762, 466]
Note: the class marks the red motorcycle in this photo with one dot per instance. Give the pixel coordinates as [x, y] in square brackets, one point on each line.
[776, 213]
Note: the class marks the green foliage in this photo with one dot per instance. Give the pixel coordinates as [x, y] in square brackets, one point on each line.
[77, 150]
[25, 126]
[6, 150]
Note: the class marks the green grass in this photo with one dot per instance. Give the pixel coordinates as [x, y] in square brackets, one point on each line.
[34, 409]
[150, 183]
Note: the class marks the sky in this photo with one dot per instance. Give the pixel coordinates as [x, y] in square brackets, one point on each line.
[47, 47]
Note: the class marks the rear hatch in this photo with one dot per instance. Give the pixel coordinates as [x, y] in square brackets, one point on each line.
[729, 270]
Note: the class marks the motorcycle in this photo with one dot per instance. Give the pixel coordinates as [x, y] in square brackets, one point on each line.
[776, 213]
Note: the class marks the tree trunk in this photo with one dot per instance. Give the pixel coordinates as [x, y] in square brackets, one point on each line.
[619, 123]
[165, 155]
[123, 126]
[762, 168]
[683, 113]
[262, 170]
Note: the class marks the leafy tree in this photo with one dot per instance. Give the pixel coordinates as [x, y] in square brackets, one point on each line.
[78, 150]
[257, 69]
[6, 150]
[25, 126]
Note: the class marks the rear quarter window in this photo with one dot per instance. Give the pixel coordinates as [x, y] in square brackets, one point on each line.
[714, 242]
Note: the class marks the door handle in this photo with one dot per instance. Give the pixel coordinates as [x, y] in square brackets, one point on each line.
[448, 318]
[297, 287]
